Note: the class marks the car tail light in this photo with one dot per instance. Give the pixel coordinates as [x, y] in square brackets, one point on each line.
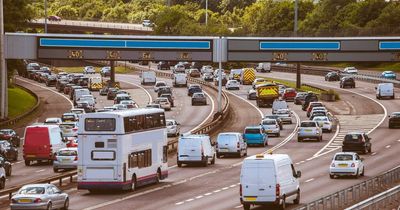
[55, 157]
[76, 158]
[353, 165]
[240, 189]
[277, 190]
[37, 200]
[333, 165]
[75, 129]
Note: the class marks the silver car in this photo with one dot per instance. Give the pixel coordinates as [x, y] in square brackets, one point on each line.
[66, 158]
[40, 196]
[309, 130]
[173, 127]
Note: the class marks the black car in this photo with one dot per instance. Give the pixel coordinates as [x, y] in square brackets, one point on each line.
[51, 80]
[164, 90]
[357, 142]
[194, 89]
[7, 165]
[8, 150]
[170, 98]
[332, 76]
[11, 136]
[163, 65]
[60, 85]
[394, 120]
[300, 98]
[310, 97]
[104, 91]
[347, 82]
[112, 92]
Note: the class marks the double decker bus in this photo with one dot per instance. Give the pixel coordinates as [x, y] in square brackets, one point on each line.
[122, 149]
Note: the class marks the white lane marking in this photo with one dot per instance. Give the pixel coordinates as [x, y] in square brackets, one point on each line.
[146, 91]
[255, 107]
[209, 115]
[330, 141]
[40, 171]
[225, 188]
[398, 140]
[46, 88]
[309, 180]
[217, 191]
[200, 196]
[179, 203]
[188, 200]
[207, 194]
[237, 207]
[18, 162]
[388, 146]
[233, 185]
[374, 153]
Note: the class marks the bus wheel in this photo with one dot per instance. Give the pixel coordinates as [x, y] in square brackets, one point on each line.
[158, 176]
[133, 183]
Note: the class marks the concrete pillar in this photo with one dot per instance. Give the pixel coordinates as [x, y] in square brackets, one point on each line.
[3, 70]
[112, 76]
[298, 76]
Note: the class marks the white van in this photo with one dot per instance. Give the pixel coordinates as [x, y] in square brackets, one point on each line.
[384, 90]
[269, 179]
[148, 78]
[279, 104]
[263, 67]
[195, 149]
[180, 79]
[231, 144]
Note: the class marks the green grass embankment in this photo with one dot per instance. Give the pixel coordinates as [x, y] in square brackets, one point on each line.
[118, 69]
[19, 102]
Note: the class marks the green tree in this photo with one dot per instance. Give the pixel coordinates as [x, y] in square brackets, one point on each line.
[16, 14]
[67, 12]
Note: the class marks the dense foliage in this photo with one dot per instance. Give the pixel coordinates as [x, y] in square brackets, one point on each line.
[227, 17]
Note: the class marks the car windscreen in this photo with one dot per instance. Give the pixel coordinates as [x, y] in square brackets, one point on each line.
[100, 124]
[307, 124]
[268, 122]
[32, 190]
[252, 131]
[344, 157]
[352, 138]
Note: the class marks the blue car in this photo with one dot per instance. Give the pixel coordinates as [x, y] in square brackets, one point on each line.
[255, 135]
[388, 75]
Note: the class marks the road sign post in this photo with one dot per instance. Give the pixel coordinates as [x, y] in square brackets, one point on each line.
[298, 75]
[3, 70]
[219, 51]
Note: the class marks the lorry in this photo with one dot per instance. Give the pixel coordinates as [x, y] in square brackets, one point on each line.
[95, 83]
[148, 78]
[266, 94]
[180, 79]
[248, 76]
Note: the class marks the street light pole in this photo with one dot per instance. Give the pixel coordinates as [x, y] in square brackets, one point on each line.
[3, 70]
[296, 8]
[45, 16]
[206, 12]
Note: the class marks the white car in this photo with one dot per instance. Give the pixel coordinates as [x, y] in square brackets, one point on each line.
[285, 115]
[208, 76]
[66, 158]
[282, 89]
[53, 120]
[120, 107]
[159, 84]
[164, 103]
[89, 70]
[316, 109]
[350, 70]
[173, 127]
[129, 103]
[232, 84]
[324, 122]
[271, 127]
[346, 164]
[147, 23]
[205, 69]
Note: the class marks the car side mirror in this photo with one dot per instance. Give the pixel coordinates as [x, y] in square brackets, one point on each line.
[298, 174]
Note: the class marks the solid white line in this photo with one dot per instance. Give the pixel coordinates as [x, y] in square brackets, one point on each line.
[209, 115]
[29, 82]
[236, 207]
[309, 180]
[251, 104]
[374, 153]
[330, 141]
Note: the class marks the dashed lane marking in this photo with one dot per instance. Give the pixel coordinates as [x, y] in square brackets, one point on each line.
[309, 180]
[206, 194]
[388, 146]
[40, 171]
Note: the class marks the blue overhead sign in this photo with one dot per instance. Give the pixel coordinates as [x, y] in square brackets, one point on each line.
[389, 45]
[127, 44]
[299, 46]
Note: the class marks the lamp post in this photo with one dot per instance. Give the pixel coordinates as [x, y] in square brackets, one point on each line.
[206, 12]
[296, 6]
[3, 70]
[45, 16]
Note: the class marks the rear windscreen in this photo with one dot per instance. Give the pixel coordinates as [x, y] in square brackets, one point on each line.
[99, 124]
[307, 124]
[344, 157]
[352, 138]
[36, 136]
[67, 153]
[252, 131]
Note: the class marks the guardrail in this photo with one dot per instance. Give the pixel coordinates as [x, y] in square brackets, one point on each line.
[383, 200]
[95, 24]
[20, 117]
[355, 193]
[322, 71]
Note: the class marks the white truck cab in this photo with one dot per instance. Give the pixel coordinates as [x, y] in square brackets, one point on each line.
[195, 149]
[384, 90]
[269, 179]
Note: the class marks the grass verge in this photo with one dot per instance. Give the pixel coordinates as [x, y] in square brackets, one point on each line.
[364, 66]
[291, 84]
[19, 102]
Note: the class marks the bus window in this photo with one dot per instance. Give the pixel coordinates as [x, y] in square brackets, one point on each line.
[140, 159]
[99, 124]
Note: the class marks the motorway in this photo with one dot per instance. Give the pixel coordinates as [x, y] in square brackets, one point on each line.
[216, 187]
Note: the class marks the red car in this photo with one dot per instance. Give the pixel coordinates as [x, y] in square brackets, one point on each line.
[72, 142]
[54, 18]
[289, 94]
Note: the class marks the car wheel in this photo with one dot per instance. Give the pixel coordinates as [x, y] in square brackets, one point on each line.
[299, 139]
[283, 205]
[9, 170]
[246, 206]
[158, 176]
[27, 162]
[370, 149]
[357, 174]
[179, 164]
[297, 200]
[55, 170]
[213, 160]
[66, 204]
[133, 183]
[331, 176]
[49, 206]
[205, 163]
[363, 172]
[278, 135]
[2, 183]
